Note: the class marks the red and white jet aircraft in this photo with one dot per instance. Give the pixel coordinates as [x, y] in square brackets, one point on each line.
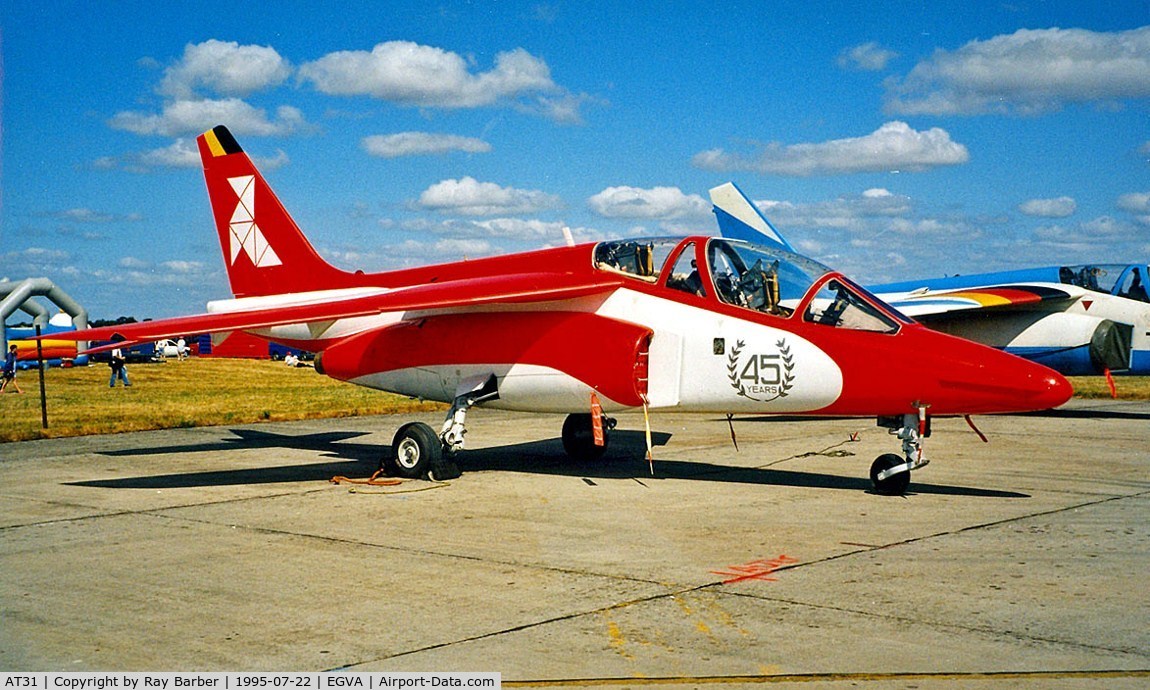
[697, 324]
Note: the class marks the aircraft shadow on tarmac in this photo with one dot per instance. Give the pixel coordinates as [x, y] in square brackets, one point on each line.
[354, 457]
[625, 459]
[1087, 413]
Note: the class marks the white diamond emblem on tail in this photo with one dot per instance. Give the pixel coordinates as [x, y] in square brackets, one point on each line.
[245, 234]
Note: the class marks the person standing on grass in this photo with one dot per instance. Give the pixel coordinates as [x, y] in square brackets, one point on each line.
[119, 368]
[9, 375]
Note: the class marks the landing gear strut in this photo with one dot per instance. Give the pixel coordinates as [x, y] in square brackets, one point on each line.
[890, 474]
[467, 395]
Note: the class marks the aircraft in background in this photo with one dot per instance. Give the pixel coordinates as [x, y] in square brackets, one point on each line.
[1079, 320]
[699, 324]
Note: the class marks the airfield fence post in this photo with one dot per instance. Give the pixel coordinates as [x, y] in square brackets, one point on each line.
[43, 394]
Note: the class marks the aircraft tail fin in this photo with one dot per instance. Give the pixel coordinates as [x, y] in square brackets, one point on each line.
[740, 219]
[264, 250]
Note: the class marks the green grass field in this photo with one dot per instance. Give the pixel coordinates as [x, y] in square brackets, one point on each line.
[1128, 387]
[203, 392]
[188, 393]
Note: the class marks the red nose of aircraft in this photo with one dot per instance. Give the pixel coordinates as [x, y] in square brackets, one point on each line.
[952, 376]
[969, 378]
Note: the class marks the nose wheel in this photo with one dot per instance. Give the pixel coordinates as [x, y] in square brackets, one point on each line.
[884, 482]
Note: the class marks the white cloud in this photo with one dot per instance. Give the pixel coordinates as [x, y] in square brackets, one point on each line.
[848, 211]
[183, 267]
[458, 238]
[181, 118]
[868, 57]
[563, 108]
[462, 247]
[893, 147]
[1135, 203]
[657, 202]
[529, 231]
[1060, 207]
[413, 74]
[227, 68]
[182, 153]
[87, 215]
[1089, 237]
[33, 261]
[932, 226]
[1029, 71]
[470, 197]
[420, 144]
[522, 229]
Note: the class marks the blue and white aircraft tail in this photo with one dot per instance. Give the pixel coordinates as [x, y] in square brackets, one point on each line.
[740, 219]
[1079, 320]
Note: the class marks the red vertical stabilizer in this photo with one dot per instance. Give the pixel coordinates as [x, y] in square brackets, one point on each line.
[264, 251]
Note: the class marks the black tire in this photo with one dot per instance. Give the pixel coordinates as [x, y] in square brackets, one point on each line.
[579, 439]
[894, 485]
[415, 448]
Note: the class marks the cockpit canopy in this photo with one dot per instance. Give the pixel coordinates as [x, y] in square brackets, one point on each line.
[1115, 279]
[768, 280]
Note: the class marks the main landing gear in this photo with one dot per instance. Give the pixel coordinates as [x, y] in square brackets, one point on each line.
[418, 451]
[890, 473]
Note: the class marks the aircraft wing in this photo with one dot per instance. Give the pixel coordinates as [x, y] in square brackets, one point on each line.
[925, 303]
[447, 296]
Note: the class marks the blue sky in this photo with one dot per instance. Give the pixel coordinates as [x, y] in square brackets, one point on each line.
[890, 140]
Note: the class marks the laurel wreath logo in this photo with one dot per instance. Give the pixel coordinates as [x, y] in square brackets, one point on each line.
[733, 368]
[788, 371]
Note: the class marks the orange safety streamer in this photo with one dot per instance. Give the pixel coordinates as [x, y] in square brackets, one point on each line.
[597, 421]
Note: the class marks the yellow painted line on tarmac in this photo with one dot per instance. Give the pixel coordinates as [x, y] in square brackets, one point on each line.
[824, 678]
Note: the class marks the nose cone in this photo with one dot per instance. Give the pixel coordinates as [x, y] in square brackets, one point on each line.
[980, 380]
[1052, 389]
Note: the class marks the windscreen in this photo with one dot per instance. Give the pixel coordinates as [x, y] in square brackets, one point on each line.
[765, 279]
[837, 305]
[1097, 277]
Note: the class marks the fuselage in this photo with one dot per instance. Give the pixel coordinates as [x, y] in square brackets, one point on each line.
[691, 324]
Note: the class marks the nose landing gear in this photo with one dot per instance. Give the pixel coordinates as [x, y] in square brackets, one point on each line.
[889, 473]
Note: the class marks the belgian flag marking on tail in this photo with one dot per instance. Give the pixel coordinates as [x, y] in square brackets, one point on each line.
[221, 142]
